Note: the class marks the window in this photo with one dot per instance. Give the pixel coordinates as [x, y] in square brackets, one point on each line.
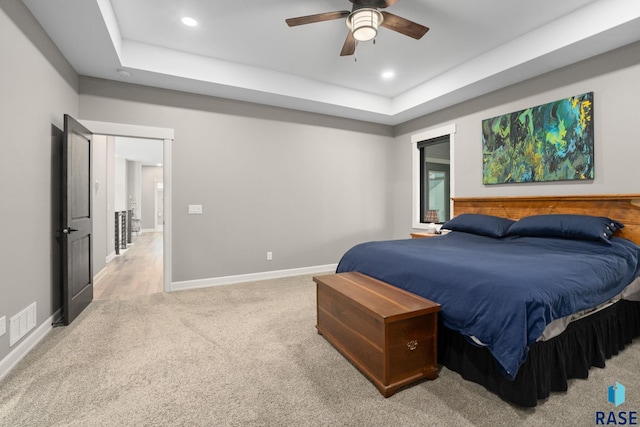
[432, 180]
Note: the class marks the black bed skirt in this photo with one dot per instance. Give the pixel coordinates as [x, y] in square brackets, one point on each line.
[585, 343]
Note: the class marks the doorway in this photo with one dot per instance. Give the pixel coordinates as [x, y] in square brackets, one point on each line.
[164, 137]
[133, 266]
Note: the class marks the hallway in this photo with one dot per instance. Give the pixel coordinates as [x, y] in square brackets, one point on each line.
[136, 272]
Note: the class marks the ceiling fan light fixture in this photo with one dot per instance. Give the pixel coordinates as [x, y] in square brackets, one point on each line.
[364, 24]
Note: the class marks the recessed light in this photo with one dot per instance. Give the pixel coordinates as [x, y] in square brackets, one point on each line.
[190, 22]
[123, 73]
[388, 75]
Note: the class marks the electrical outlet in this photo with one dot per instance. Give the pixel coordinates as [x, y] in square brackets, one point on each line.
[269, 256]
[3, 325]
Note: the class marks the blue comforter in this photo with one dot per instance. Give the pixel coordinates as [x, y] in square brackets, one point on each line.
[502, 291]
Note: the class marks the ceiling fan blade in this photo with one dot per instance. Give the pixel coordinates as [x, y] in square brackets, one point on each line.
[310, 19]
[403, 26]
[374, 3]
[386, 3]
[349, 47]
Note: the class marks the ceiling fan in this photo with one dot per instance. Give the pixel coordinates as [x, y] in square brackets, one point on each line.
[363, 22]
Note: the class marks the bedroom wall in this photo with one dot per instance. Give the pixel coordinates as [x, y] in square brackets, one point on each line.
[37, 87]
[303, 186]
[613, 77]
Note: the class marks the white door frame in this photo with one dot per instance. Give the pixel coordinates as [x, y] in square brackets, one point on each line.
[165, 134]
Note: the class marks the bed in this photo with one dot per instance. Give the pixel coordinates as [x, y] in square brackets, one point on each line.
[534, 291]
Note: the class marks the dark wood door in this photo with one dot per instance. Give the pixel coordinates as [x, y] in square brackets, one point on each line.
[77, 219]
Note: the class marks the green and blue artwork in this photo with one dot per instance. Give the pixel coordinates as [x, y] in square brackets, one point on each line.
[550, 142]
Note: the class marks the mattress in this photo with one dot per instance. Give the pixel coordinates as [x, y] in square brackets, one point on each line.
[530, 282]
[558, 326]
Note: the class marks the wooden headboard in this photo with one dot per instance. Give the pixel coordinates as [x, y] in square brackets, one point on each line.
[621, 207]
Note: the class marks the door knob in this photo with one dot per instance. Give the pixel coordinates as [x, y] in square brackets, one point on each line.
[69, 230]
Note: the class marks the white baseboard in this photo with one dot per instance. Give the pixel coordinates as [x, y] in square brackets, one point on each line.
[110, 257]
[252, 277]
[100, 275]
[22, 349]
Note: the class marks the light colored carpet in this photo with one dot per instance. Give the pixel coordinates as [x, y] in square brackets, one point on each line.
[249, 355]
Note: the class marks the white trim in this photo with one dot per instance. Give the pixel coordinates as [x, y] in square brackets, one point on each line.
[165, 134]
[110, 257]
[434, 133]
[132, 131]
[251, 277]
[166, 211]
[17, 354]
[415, 164]
[100, 274]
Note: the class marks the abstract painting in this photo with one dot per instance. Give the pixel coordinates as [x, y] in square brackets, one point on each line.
[550, 142]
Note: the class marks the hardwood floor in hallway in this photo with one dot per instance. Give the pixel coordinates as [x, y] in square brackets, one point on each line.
[136, 272]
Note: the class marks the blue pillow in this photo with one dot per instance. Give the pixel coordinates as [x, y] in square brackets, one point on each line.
[483, 225]
[566, 226]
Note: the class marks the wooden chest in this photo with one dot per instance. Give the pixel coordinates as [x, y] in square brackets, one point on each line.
[389, 334]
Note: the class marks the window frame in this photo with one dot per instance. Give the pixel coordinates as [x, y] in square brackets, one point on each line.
[416, 165]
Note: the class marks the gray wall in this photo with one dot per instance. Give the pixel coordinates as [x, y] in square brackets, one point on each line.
[303, 186]
[111, 196]
[100, 216]
[133, 186]
[120, 184]
[615, 80]
[37, 86]
[150, 175]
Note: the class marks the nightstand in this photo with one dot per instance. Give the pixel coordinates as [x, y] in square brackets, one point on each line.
[422, 234]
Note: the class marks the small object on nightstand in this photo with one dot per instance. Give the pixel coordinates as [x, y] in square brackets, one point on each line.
[431, 216]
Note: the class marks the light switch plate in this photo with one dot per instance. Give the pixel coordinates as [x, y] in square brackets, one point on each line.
[195, 209]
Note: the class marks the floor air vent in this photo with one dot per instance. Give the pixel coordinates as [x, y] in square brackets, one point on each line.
[22, 323]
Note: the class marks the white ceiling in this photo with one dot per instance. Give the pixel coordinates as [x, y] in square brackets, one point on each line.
[244, 50]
